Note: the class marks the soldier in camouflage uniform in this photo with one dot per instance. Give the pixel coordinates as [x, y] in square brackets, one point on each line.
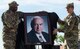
[10, 20]
[71, 28]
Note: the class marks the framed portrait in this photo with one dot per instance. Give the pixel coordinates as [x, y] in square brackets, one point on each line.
[37, 29]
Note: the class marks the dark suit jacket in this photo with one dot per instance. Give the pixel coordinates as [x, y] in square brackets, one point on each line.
[32, 38]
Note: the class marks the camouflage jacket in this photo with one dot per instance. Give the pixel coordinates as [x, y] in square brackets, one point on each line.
[10, 20]
[71, 27]
[71, 23]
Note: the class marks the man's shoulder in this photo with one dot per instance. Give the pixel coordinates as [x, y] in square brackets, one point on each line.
[45, 33]
[5, 13]
[31, 32]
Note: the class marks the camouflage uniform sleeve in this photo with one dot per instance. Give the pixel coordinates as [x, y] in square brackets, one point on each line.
[61, 21]
[62, 25]
[72, 23]
[7, 20]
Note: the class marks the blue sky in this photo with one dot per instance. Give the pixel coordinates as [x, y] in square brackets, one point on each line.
[57, 6]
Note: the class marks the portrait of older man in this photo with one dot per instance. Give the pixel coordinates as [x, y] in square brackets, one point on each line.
[37, 33]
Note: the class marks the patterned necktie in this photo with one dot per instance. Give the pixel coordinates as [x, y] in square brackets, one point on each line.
[41, 40]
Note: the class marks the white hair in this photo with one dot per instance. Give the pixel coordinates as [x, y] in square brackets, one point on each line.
[34, 18]
[37, 17]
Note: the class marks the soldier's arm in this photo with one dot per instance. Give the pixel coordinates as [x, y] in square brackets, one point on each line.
[73, 21]
[6, 20]
[60, 30]
[61, 22]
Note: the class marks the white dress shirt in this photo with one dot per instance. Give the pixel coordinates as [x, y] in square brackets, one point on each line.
[40, 37]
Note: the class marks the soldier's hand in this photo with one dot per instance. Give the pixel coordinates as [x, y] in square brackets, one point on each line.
[60, 30]
[55, 31]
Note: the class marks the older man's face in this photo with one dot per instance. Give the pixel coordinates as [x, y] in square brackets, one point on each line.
[38, 25]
